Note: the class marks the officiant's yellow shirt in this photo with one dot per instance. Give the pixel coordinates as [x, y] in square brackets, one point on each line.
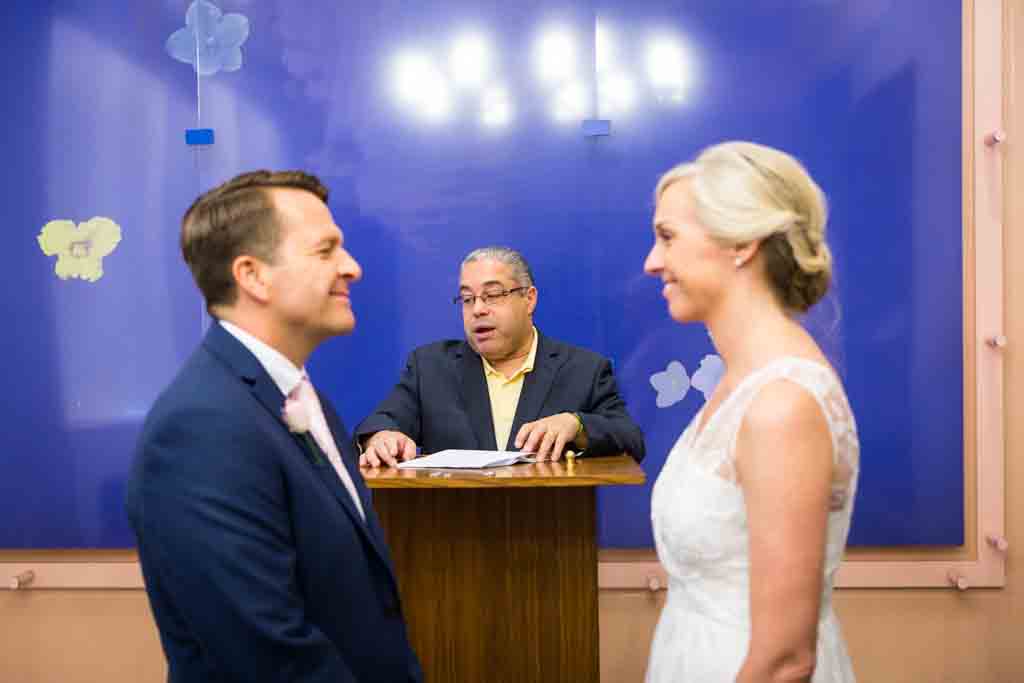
[504, 393]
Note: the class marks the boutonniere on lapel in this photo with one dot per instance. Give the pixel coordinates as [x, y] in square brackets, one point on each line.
[297, 416]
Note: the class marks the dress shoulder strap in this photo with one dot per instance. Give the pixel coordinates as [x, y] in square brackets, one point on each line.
[817, 379]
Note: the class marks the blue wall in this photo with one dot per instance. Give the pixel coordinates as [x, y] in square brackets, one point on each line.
[867, 94]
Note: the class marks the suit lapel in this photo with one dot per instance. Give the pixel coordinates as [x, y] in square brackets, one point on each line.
[350, 460]
[537, 383]
[221, 343]
[475, 399]
[333, 482]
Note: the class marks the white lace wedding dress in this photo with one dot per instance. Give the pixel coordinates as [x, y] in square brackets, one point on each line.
[700, 531]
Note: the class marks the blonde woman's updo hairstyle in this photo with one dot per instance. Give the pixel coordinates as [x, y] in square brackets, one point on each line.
[745, 192]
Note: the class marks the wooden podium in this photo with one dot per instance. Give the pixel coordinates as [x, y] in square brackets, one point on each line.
[498, 568]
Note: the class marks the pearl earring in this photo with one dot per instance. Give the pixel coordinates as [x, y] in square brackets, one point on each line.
[738, 261]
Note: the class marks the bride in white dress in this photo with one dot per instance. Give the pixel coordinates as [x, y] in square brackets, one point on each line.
[752, 508]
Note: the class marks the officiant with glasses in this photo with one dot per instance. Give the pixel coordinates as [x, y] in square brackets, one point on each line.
[505, 386]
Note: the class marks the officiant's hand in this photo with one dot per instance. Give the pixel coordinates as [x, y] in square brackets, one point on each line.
[548, 436]
[387, 447]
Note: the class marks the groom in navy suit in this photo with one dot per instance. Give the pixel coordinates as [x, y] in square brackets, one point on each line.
[262, 555]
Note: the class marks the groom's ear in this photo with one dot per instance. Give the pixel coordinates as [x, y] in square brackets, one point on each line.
[252, 278]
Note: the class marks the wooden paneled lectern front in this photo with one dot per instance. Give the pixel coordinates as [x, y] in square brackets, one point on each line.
[498, 568]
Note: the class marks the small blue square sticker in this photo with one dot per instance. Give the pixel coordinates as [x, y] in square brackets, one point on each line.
[593, 128]
[199, 136]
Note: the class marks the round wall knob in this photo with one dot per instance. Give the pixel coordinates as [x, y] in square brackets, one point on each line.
[995, 137]
[22, 580]
[958, 581]
[998, 542]
[998, 341]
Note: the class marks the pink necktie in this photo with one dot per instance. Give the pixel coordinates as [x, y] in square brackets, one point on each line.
[305, 394]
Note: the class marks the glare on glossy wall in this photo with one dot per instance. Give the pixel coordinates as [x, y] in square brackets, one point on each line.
[463, 78]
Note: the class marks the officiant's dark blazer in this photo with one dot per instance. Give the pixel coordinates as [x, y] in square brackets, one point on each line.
[441, 399]
[257, 565]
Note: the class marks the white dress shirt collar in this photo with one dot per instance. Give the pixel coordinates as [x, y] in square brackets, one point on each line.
[284, 373]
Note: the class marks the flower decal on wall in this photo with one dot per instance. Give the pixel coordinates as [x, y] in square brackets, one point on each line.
[211, 41]
[80, 249]
[708, 375]
[673, 383]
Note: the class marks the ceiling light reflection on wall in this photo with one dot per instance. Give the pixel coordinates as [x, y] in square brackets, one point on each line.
[670, 68]
[470, 60]
[555, 56]
[617, 94]
[570, 103]
[421, 87]
[496, 108]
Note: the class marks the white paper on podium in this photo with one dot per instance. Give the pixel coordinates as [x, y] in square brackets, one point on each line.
[464, 459]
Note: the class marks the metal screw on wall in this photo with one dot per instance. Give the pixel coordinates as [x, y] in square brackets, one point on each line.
[995, 137]
[998, 542]
[22, 580]
[998, 341]
[958, 580]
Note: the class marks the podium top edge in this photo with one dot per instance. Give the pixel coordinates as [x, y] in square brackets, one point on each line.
[615, 470]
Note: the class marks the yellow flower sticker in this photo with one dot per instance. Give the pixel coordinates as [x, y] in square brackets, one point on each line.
[80, 250]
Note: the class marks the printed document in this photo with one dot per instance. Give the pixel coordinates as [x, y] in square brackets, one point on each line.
[464, 459]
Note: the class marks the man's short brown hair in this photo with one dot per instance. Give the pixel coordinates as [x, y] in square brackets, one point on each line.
[235, 218]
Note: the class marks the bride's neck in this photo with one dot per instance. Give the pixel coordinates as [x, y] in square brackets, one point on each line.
[747, 333]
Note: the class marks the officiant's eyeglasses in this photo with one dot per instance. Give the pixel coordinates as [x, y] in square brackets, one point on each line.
[495, 296]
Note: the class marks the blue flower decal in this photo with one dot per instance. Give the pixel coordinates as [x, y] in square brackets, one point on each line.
[211, 40]
[708, 375]
[671, 385]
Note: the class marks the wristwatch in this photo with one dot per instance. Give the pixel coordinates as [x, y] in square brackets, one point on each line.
[579, 424]
[580, 429]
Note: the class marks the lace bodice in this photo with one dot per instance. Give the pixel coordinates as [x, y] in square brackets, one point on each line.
[700, 531]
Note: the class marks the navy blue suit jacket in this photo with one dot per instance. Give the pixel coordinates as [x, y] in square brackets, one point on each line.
[441, 399]
[257, 565]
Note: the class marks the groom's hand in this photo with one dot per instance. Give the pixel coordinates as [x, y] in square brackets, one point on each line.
[387, 447]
